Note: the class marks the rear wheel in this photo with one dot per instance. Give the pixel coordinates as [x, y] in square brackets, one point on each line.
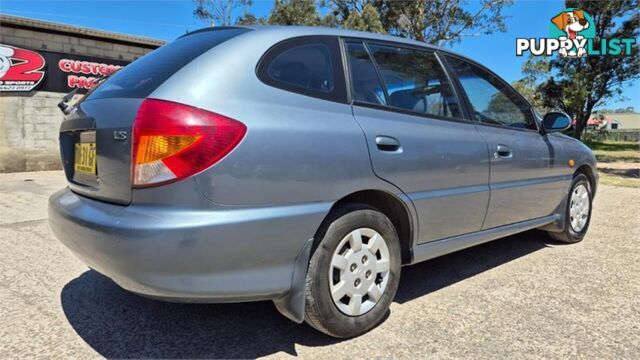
[577, 213]
[353, 273]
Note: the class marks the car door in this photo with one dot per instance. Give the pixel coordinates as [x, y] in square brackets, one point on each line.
[417, 137]
[527, 180]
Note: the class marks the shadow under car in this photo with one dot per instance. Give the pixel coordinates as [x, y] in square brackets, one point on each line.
[119, 324]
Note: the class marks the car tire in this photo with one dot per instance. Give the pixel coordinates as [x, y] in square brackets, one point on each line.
[339, 265]
[577, 212]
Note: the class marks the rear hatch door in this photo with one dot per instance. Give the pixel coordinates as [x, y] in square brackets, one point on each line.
[96, 137]
[95, 143]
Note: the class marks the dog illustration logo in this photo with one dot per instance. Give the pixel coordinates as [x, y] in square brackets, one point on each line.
[573, 25]
[20, 69]
[571, 22]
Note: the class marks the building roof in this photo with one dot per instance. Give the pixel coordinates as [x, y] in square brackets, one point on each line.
[629, 120]
[598, 120]
[47, 26]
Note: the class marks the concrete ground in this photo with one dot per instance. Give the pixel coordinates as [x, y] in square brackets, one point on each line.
[522, 296]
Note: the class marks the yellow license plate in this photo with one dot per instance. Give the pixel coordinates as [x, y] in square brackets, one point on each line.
[86, 158]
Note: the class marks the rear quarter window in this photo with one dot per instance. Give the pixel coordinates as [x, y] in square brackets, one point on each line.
[140, 78]
[309, 65]
[306, 66]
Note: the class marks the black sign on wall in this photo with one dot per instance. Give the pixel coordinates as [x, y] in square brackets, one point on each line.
[23, 70]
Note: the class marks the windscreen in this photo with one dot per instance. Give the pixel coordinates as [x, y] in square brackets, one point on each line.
[140, 78]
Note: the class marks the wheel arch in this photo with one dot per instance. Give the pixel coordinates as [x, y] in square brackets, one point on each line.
[588, 171]
[389, 204]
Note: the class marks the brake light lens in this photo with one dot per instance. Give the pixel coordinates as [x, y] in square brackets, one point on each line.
[172, 141]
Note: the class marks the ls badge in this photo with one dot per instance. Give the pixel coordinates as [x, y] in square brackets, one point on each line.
[119, 135]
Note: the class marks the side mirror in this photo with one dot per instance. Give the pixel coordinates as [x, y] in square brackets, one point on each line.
[555, 121]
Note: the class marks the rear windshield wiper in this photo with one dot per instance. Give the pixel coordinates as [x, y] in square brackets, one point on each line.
[64, 106]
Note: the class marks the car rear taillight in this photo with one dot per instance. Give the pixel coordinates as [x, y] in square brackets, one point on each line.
[172, 141]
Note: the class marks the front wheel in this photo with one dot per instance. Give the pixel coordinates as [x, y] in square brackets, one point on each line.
[577, 213]
[353, 273]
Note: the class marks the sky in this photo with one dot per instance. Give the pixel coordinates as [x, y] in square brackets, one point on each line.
[168, 19]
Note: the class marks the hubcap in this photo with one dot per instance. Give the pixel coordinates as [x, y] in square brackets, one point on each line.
[579, 207]
[359, 271]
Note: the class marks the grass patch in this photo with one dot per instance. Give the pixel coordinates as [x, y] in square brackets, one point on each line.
[627, 156]
[615, 146]
[606, 157]
[614, 180]
[613, 151]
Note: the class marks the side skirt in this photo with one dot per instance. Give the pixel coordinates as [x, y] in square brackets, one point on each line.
[438, 248]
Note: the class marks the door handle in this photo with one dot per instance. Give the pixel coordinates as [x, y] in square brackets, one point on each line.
[387, 143]
[502, 152]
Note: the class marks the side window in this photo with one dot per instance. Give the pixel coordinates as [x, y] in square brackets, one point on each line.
[365, 83]
[492, 101]
[415, 81]
[306, 65]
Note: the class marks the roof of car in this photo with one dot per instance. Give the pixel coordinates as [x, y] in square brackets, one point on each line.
[319, 30]
[293, 31]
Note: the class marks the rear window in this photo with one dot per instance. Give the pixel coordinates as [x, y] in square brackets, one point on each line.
[140, 78]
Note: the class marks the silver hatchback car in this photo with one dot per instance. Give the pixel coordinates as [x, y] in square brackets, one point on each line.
[306, 166]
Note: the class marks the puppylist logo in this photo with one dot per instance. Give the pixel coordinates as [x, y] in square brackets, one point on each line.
[572, 33]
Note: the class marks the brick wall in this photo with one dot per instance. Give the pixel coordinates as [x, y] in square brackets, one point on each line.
[29, 122]
[41, 40]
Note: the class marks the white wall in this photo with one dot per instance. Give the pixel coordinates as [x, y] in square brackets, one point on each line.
[29, 126]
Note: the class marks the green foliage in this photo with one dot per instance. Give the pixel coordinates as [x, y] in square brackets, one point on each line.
[527, 89]
[444, 21]
[436, 22]
[249, 19]
[290, 12]
[578, 85]
[616, 146]
[295, 12]
[366, 20]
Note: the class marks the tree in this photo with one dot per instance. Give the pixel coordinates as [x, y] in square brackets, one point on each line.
[578, 85]
[527, 89]
[533, 68]
[367, 19]
[248, 18]
[436, 22]
[442, 22]
[295, 12]
[219, 12]
[290, 12]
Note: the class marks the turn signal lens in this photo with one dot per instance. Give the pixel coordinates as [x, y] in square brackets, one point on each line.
[172, 141]
[158, 147]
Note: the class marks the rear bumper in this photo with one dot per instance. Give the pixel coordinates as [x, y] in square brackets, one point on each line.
[187, 255]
